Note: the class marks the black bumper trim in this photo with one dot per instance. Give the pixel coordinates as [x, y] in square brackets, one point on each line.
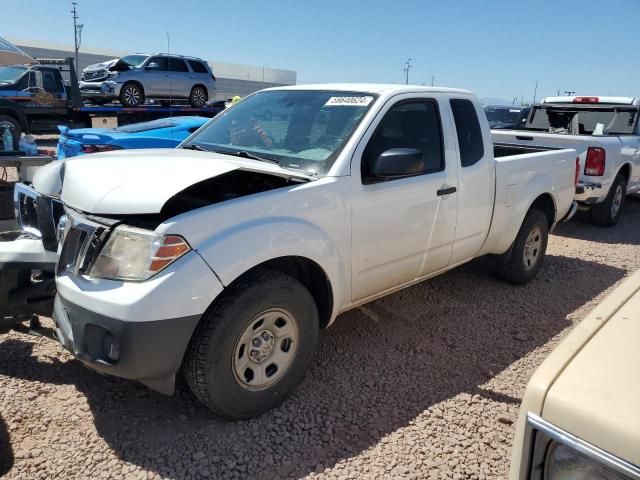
[150, 352]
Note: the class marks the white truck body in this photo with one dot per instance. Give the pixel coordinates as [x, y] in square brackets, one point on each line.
[621, 151]
[364, 239]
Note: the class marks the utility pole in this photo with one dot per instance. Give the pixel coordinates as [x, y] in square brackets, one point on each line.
[535, 93]
[406, 71]
[77, 32]
[432, 79]
[569, 92]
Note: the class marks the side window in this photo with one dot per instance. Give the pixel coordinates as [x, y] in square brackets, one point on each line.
[177, 65]
[469, 132]
[49, 81]
[413, 124]
[197, 67]
[163, 64]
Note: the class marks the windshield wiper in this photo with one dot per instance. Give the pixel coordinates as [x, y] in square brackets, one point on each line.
[245, 154]
[195, 146]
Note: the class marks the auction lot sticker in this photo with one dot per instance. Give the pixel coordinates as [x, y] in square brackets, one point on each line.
[348, 102]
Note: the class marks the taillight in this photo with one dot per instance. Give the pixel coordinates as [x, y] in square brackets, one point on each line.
[577, 175]
[586, 100]
[594, 164]
[89, 148]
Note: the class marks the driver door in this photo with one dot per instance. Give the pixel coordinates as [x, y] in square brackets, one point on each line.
[403, 228]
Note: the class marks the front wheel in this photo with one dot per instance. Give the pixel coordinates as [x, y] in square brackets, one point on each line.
[198, 96]
[607, 213]
[131, 95]
[254, 346]
[520, 264]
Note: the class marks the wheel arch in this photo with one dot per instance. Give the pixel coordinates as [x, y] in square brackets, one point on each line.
[309, 273]
[547, 205]
[136, 82]
[200, 85]
[625, 170]
[17, 115]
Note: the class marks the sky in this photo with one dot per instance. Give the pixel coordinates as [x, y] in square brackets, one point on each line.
[497, 48]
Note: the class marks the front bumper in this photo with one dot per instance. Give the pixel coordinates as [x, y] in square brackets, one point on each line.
[135, 330]
[149, 352]
[27, 284]
[107, 89]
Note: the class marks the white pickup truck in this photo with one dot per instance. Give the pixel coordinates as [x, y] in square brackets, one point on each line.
[223, 259]
[605, 132]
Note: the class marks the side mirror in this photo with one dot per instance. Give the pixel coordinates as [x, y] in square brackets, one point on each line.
[152, 66]
[398, 162]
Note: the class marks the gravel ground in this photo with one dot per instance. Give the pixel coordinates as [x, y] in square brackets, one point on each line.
[425, 383]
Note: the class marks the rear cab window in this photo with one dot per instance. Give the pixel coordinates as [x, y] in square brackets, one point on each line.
[583, 120]
[470, 141]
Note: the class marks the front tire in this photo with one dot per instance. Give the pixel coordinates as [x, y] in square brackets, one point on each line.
[521, 263]
[131, 95]
[16, 131]
[198, 96]
[607, 213]
[254, 346]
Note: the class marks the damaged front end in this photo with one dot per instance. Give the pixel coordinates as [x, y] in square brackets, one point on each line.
[28, 258]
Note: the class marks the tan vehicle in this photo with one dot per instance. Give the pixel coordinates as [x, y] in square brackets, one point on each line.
[580, 416]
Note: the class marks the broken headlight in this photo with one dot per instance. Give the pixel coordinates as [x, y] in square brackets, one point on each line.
[136, 254]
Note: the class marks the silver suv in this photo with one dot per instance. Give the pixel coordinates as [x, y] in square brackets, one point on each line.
[133, 78]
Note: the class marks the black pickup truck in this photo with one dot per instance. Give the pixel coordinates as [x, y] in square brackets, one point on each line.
[36, 99]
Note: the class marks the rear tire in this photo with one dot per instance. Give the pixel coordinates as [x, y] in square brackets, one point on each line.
[131, 95]
[520, 264]
[198, 96]
[16, 131]
[607, 213]
[254, 346]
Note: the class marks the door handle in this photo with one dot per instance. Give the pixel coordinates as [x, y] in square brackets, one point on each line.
[446, 191]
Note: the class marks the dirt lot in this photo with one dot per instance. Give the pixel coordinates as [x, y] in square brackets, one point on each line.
[422, 384]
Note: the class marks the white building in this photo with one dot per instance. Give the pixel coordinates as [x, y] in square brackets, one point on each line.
[232, 79]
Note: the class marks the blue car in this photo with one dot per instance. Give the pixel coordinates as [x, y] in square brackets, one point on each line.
[161, 133]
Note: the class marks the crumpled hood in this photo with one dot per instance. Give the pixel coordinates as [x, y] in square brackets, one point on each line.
[141, 181]
[100, 66]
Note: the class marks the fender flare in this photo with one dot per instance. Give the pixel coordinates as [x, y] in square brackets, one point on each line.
[13, 109]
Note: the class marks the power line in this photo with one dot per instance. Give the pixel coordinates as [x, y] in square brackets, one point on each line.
[77, 31]
[406, 71]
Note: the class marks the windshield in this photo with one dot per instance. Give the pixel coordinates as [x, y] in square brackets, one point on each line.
[11, 74]
[134, 60]
[584, 121]
[298, 129]
[503, 115]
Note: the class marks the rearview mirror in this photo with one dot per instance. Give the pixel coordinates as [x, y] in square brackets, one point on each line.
[398, 162]
[152, 66]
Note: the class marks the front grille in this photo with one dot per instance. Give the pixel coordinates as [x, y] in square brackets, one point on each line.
[96, 76]
[83, 238]
[38, 214]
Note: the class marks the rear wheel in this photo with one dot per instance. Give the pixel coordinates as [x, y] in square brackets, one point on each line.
[520, 264]
[254, 346]
[16, 130]
[131, 95]
[198, 96]
[607, 213]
